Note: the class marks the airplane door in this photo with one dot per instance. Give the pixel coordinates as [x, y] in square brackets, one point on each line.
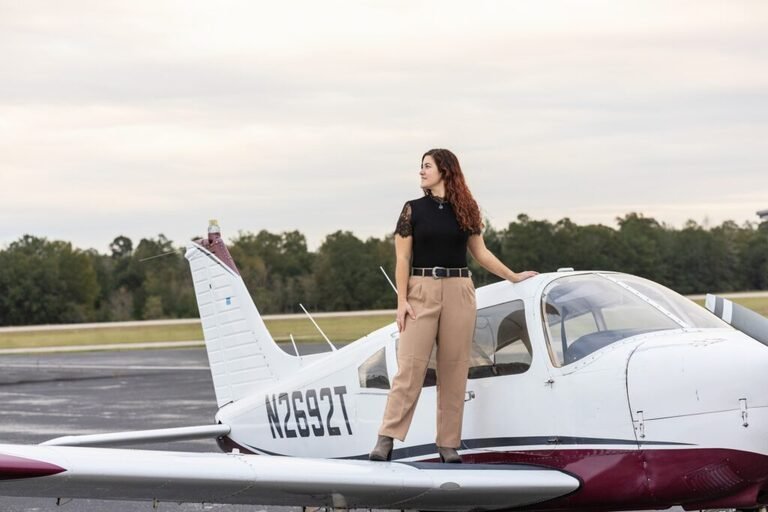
[592, 403]
[588, 371]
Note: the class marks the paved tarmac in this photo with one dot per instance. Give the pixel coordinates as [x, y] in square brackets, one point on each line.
[52, 395]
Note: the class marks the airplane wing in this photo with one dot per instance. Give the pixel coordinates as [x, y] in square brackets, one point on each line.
[745, 320]
[119, 474]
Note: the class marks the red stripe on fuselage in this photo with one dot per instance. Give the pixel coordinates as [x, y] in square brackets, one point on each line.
[12, 468]
[646, 479]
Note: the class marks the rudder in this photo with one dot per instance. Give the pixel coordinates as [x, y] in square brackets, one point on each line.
[241, 351]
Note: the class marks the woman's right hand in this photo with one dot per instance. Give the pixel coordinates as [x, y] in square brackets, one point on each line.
[403, 309]
[522, 276]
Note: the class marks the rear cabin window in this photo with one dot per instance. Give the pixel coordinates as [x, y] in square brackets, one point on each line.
[501, 345]
[373, 372]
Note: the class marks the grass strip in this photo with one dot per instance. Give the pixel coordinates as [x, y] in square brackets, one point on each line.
[338, 329]
[757, 304]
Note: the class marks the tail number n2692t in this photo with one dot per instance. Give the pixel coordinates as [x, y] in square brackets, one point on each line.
[306, 413]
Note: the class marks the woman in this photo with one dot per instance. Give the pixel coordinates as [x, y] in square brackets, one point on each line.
[436, 301]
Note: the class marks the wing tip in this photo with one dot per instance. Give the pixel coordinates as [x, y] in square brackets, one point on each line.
[14, 468]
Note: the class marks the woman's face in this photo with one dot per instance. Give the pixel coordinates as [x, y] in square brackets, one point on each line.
[430, 175]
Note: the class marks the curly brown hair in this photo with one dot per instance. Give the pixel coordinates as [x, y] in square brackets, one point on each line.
[456, 190]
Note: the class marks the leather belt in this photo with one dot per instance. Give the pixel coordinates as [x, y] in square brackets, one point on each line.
[439, 272]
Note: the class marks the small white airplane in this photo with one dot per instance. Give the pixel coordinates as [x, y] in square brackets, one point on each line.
[587, 391]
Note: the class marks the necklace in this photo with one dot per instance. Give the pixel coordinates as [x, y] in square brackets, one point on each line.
[440, 201]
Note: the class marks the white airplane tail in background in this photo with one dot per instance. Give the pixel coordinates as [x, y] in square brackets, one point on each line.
[241, 352]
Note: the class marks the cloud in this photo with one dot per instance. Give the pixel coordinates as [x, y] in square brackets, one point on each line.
[149, 117]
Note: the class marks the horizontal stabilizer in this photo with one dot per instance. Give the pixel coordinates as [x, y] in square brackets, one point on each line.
[163, 435]
[112, 474]
[745, 320]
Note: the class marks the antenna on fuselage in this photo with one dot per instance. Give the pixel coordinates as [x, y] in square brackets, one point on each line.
[295, 349]
[317, 326]
[388, 279]
[142, 260]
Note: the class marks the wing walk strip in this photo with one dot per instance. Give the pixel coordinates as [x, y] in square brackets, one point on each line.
[100, 473]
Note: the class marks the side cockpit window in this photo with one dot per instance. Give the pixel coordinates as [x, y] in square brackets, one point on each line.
[373, 372]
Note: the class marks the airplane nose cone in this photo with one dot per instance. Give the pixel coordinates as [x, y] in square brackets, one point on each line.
[691, 373]
[12, 468]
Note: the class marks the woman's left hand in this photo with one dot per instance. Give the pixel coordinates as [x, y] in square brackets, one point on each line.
[522, 276]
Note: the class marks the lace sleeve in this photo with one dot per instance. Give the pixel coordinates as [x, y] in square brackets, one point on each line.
[404, 226]
[477, 230]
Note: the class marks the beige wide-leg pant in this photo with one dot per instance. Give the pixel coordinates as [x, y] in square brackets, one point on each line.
[445, 312]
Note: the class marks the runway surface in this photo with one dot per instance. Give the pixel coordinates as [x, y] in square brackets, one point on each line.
[51, 395]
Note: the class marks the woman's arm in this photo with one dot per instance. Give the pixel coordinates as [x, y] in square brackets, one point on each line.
[491, 263]
[403, 249]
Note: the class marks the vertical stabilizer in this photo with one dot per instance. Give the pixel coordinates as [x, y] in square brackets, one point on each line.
[241, 352]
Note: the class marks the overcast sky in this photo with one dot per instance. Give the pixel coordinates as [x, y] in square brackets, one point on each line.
[147, 117]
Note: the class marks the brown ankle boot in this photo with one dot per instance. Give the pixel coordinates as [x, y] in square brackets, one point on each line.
[449, 455]
[382, 450]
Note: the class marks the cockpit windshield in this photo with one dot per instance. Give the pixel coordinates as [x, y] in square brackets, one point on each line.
[684, 309]
[585, 313]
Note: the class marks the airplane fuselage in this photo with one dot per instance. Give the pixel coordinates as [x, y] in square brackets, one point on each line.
[647, 421]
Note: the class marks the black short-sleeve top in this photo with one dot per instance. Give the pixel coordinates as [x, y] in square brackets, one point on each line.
[438, 241]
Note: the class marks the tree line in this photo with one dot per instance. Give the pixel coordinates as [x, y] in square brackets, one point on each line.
[48, 282]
